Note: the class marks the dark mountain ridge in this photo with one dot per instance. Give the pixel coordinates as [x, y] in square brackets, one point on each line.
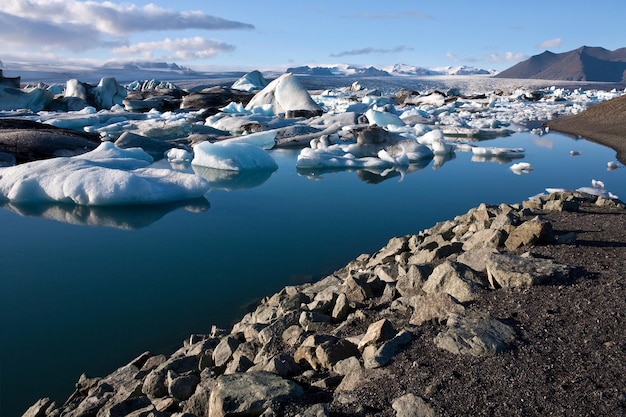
[583, 64]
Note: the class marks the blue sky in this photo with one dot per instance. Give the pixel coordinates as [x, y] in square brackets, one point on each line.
[272, 34]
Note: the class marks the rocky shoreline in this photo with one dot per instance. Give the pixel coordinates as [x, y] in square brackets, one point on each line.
[505, 310]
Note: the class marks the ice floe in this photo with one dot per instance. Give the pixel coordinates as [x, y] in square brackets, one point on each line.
[105, 176]
[232, 156]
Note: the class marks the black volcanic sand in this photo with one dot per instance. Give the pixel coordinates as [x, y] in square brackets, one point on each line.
[570, 355]
[604, 123]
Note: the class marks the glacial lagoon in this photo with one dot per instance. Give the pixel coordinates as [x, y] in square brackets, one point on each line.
[88, 289]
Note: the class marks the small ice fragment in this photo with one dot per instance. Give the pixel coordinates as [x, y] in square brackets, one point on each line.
[521, 168]
[574, 153]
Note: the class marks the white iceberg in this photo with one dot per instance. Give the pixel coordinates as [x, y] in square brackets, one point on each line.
[232, 155]
[383, 118]
[521, 168]
[285, 93]
[105, 176]
[251, 81]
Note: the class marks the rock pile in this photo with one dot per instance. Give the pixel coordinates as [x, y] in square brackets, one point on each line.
[306, 349]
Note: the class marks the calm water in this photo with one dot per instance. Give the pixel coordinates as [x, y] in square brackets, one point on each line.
[78, 298]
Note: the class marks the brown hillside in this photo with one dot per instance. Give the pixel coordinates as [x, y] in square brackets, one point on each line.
[604, 123]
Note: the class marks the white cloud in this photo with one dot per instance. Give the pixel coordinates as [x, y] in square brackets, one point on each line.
[550, 43]
[108, 17]
[371, 50]
[185, 48]
[507, 57]
[77, 26]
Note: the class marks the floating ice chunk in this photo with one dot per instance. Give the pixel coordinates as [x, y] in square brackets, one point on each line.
[521, 168]
[597, 184]
[264, 140]
[440, 147]
[574, 153]
[233, 156]
[285, 93]
[105, 176]
[611, 165]
[498, 152]
[383, 119]
[178, 156]
[429, 137]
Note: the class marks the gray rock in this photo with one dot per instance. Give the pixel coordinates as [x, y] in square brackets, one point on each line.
[181, 387]
[486, 238]
[317, 410]
[276, 328]
[530, 233]
[332, 351]
[312, 321]
[385, 353]
[345, 366]
[249, 393]
[476, 258]
[436, 306]
[477, 334]
[40, 408]
[411, 283]
[394, 247]
[411, 405]
[377, 333]
[225, 349]
[504, 271]
[155, 383]
[455, 279]
[125, 408]
[357, 289]
[342, 308]
[281, 364]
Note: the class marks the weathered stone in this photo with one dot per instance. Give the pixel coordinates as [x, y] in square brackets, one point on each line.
[330, 352]
[154, 385]
[224, 350]
[198, 403]
[317, 410]
[311, 320]
[486, 238]
[281, 365]
[385, 353]
[394, 247]
[289, 298]
[436, 306]
[124, 408]
[505, 270]
[377, 332]
[356, 289]
[477, 334]
[411, 405]
[239, 363]
[455, 279]
[561, 205]
[276, 328]
[530, 233]
[476, 258]
[342, 308]
[40, 408]
[181, 387]
[345, 366]
[411, 283]
[249, 393]
[389, 272]
[293, 335]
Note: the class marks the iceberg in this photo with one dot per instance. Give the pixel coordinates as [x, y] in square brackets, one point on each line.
[232, 155]
[286, 93]
[105, 176]
[250, 82]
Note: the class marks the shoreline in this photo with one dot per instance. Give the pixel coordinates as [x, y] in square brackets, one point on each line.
[392, 316]
[604, 123]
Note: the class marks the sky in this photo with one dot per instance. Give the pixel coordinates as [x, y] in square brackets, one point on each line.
[277, 34]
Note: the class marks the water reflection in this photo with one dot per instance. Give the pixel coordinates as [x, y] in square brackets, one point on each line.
[372, 175]
[118, 217]
[233, 180]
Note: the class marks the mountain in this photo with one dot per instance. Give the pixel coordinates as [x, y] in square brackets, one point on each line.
[410, 70]
[148, 66]
[339, 70]
[582, 64]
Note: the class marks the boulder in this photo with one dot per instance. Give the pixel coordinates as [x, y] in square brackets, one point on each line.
[436, 306]
[249, 393]
[455, 279]
[385, 353]
[505, 271]
[476, 334]
[411, 405]
[530, 233]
